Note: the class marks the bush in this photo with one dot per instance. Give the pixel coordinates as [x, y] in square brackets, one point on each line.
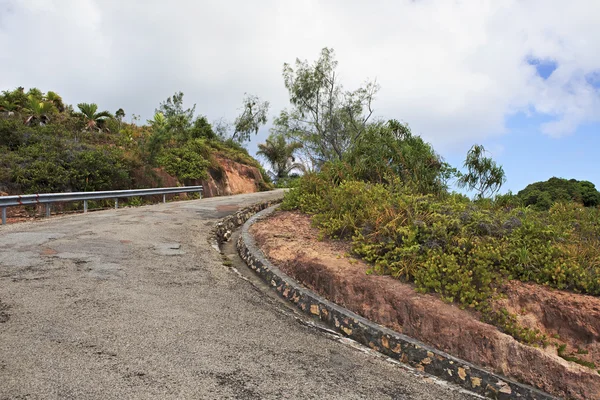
[186, 163]
[461, 249]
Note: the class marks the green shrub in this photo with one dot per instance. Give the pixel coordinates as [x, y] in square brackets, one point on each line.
[186, 163]
[460, 249]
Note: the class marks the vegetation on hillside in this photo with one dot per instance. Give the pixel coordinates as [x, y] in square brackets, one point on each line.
[369, 181]
[541, 195]
[47, 146]
[387, 191]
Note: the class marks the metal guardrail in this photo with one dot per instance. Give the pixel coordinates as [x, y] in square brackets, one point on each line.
[49, 198]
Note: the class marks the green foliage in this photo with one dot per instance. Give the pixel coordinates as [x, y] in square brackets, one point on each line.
[94, 120]
[100, 169]
[280, 155]
[186, 162]
[387, 151]
[324, 117]
[158, 137]
[49, 153]
[253, 116]
[483, 174]
[541, 195]
[178, 120]
[449, 245]
[562, 353]
[201, 129]
[13, 134]
[37, 110]
[291, 181]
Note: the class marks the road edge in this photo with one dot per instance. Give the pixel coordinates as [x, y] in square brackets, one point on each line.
[394, 345]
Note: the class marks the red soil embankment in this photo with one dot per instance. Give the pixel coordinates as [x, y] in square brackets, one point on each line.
[325, 267]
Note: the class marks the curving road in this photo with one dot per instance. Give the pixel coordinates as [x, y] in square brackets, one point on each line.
[136, 304]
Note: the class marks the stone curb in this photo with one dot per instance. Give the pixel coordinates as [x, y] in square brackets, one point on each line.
[392, 344]
[227, 225]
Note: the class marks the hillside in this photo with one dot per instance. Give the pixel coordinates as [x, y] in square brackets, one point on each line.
[48, 146]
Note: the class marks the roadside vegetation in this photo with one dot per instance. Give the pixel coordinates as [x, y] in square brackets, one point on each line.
[365, 180]
[48, 146]
[383, 188]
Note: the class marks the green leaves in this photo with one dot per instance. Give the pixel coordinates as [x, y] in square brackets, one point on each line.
[542, 195]
[280, 155]
[483, 174]
[324, 117]
[93, 119]
[253, 116]
[463, 250]
[186, 163]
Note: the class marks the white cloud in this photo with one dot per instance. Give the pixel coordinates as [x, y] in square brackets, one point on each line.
[454, 70]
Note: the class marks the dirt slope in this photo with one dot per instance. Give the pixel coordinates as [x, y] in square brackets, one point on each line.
[323, 266]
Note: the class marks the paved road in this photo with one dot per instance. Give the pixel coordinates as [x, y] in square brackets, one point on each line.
[136, 304]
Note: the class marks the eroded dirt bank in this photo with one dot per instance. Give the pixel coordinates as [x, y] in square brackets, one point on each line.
[570, 319]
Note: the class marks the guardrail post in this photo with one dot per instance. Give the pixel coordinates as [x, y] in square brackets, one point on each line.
[116, 203]
[3, 215]
[164, 198]
[200, 194]
[48, 210]
[85, 206]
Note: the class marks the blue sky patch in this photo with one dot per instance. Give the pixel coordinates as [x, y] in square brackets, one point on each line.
[544, 68]
[593, 78]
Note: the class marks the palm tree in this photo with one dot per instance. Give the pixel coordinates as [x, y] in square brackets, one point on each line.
[56, 100]
[280, 155]
[94, 120]
[8, 107]
[38, 111]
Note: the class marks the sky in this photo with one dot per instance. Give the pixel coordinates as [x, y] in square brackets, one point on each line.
[521, 77]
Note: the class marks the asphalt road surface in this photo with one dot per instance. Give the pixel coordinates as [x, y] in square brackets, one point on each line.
[136, 304]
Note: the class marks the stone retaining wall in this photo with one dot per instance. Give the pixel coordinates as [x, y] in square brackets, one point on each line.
[224, 228]
[384, 340]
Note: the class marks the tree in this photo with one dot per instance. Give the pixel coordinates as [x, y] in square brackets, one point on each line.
[541, 195]
[56, 101]
[120, 114]
[324, 117]
[15, 99]
[389, 150]
[94, 120]
[158, 136]
[178, 119]
[37, 111]
[254, 115]
[8, 107]
[280, 155]
[201, 128]
[483, 174]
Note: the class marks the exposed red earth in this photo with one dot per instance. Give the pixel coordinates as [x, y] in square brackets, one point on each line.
[568, 319]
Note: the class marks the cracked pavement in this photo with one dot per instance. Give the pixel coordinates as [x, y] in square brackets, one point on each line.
[135, 303]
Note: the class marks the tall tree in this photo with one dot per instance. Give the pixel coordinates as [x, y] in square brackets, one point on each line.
[178, 119]
[158, 137]
[483, 174]
[253, 116]
[324, 117]
[280, 155]
[120, 114]
[94, 120]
